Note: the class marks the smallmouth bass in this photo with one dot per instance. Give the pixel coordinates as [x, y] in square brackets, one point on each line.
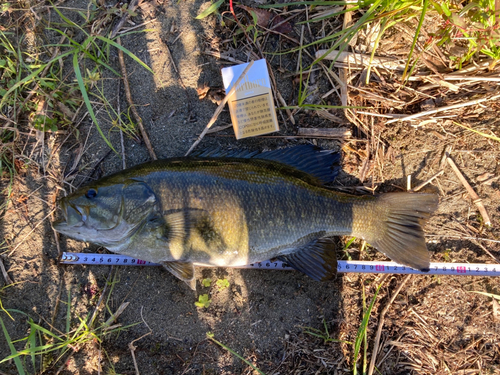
[242, 208]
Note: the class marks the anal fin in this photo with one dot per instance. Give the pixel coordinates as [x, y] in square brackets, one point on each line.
[317, 259]
[183, 271]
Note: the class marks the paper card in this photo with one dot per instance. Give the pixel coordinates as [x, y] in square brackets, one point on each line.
[251, 106]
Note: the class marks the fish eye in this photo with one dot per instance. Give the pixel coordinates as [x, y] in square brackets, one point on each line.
[91, 193]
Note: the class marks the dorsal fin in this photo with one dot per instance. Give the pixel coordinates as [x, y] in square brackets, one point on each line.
[322, 164]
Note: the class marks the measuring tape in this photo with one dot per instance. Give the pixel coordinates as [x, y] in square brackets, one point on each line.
[343, 266]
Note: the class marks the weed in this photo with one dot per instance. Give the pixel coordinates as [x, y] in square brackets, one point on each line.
[52, 345]
[491, 295]
[325, 336]
[210, 336]
[346, 247]
[211, 9]
[362, 330]
[478, 132]
[37, 93]
[475, 25]
[222, 284]
[203, 301]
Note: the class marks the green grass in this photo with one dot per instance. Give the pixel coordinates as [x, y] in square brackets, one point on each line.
[482, 134]
[210, 336]
[473, 26]
[324, 335]
[37, 93]
[52, 346]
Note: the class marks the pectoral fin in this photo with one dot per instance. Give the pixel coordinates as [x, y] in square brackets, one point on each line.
[317, 259]
[183, 271]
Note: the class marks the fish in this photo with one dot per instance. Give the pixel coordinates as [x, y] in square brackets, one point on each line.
[239, 207]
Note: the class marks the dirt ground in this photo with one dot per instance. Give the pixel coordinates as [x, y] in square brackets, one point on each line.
[436, 324]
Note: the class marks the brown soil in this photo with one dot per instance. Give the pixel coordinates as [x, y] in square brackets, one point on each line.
[435, 325]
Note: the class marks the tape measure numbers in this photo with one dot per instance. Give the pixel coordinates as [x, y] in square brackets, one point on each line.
[343, 266]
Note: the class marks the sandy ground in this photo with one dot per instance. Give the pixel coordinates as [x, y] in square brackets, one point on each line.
[436, 325]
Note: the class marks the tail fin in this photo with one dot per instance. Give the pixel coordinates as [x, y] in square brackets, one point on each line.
[400, 235]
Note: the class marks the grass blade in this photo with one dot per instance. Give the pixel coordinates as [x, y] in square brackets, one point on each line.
[17, 360]
[282, 5]
[362, 330]
[86, 99]
[126, 51]
[68, 312]
[415, 38]
[478, 132]
[210, 336]
[495, 296]
[31, 341]
[31, 76]
[212, 8]
[44, 330]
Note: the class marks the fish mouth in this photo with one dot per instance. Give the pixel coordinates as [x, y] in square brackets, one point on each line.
[73, 216]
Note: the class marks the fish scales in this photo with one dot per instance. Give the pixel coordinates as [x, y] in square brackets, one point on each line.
[272, 211]
[234, 211]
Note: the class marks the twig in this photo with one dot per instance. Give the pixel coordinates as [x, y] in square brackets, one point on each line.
[8, 280]
[292, 137]
[386, 115]
[96, 310]
[220, 107]
[325, 132]
[381, 324]
[128, 29]
[175, 66]
[131, 7]
[31, 231]
[58, 299]
[124, 164]
[55, 52]
[446, 108]
[358, 59]
[115, 316]
[65, 363]
[216, 129]
[462, 237]
[459, 77]
[132, 347]
[420, 186]
[279, 97]
[328, 116]
[487, 251]
[475, 198]
[223, 56]
[446, 152]
[122, 143]
[131, 103]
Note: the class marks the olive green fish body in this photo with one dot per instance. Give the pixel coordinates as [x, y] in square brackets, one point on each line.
[236, 214]
[235, 211]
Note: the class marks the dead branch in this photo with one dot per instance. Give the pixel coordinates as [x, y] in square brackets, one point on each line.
[8, 280]
[475, 198]
[220, 107]
[359, 59]
[131, 7]
[445, 108]
[434, 176]
[132, 105]
[328, 132]
[132, 347]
